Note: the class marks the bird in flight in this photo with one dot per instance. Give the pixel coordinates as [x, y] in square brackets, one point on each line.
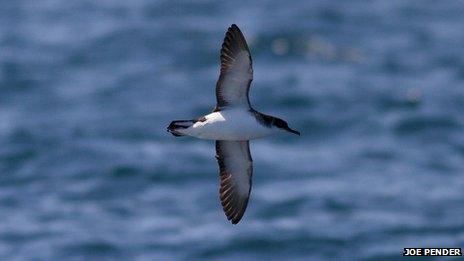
[232, 124]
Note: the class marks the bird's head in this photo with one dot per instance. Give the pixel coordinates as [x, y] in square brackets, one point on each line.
[283, 125]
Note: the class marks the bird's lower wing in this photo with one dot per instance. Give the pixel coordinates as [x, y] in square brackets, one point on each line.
[235, 170]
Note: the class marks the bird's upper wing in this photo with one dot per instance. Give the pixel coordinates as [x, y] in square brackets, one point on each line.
[236, 71]
[236, 168]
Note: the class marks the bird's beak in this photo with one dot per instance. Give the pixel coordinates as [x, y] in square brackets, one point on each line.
[293, 131]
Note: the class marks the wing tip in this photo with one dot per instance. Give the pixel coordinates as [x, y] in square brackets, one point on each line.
[235, 217]
[235, 221]
[234, 213]
[234, 34]
[234, 26]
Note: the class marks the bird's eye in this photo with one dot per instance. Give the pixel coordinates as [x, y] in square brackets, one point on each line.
[280, 123]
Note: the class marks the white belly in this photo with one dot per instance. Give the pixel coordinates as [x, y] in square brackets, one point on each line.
[232, 124]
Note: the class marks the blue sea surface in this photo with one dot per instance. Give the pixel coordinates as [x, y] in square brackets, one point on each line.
[88, 171]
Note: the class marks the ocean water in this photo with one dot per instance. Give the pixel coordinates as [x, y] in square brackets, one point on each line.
[88, 171]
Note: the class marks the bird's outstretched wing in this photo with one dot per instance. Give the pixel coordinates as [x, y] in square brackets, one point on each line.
[236, 71]
[235, 170]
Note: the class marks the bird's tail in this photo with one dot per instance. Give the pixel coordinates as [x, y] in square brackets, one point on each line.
[175, 126]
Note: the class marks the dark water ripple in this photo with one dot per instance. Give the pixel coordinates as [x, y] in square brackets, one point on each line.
[88, 171]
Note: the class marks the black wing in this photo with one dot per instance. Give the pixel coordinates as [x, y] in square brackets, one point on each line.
[235, 170]
[236, 71]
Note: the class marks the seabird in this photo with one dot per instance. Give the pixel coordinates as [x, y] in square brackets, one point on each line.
[232, 124]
